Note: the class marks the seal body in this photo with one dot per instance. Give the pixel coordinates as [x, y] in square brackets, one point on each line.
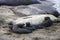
[28, 28]
[34, 19]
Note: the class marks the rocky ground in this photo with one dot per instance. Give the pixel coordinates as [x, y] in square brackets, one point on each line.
[50, 33]
[11, 13]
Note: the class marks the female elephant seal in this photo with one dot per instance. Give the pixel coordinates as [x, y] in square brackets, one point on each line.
[18, 2]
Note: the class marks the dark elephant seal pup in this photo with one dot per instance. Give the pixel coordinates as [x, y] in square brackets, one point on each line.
[19, 28]
[18, 2]
[47, 8]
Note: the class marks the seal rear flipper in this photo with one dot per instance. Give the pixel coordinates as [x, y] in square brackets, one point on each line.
[57, 21]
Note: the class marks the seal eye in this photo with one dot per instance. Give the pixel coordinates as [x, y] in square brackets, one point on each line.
[46, 18]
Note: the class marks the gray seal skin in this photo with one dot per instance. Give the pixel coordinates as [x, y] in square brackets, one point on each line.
[48, 9]
[46, 23]
[18, 2]
[19, 28]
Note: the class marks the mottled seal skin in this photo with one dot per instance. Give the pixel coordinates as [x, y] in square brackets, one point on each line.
[18, 2]
[47, 22]
[30, 27]
[19, 28]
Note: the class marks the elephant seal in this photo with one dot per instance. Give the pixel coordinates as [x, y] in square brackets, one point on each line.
[29, 25]
[19, 28]
[18, 2]
[48, 9]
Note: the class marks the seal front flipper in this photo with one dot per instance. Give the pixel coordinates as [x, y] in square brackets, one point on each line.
[29, 26]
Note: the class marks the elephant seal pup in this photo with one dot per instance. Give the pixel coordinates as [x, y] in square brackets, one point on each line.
[34, 19]
[28, 28]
